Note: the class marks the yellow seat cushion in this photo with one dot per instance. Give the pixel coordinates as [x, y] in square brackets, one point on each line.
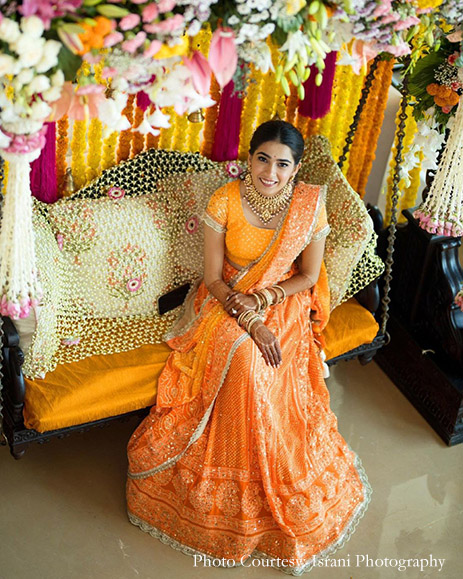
[350, 326]
[103, 386]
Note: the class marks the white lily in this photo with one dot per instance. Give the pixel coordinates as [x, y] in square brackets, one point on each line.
[296, 43]
[159, 119]
[110, 112]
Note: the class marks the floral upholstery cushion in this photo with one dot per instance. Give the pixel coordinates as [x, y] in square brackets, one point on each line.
[109, 252]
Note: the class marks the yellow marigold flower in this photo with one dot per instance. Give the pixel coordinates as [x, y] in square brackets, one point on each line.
[169, 51]
[294, 6]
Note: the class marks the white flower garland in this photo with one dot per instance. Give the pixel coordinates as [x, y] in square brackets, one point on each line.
[442, 212]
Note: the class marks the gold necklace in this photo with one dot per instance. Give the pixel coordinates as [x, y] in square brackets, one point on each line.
[266, 208]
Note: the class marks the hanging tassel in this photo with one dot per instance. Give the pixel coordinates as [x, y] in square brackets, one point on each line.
[317, 100]
[227, 132]
[43, 170]
[19, 287]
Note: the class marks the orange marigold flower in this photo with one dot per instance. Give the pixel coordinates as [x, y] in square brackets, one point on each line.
[432, 89]
[453, 98]
[93, 37]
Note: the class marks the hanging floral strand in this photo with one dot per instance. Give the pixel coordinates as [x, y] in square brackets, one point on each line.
[442, 212]
[78, 147]
[95, 146]
[62, 144]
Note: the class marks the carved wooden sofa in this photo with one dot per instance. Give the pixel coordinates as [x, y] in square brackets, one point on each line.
[116, 260]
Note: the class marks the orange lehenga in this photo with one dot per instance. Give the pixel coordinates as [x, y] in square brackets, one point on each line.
[239, 459]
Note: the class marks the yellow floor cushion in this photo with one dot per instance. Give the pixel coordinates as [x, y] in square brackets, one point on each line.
[103, 386]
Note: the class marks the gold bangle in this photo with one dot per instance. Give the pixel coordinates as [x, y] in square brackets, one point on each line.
[252, 322]
[283, 293]
[268, 297]
[244, 317]
[258, 301]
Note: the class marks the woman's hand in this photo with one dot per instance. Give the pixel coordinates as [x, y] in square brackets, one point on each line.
[267, 343]
[237, 303]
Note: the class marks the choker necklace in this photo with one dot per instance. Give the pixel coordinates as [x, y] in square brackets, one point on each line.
[266, 208]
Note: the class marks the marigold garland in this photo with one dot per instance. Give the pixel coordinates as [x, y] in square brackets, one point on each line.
[62, 145]
[125, 137]
[362, 152]
[194, 134]
[347, 98]
[138, 140]
[302, 123]
[291, 105]
[95, 145]
[78, 148]
[180, 137]
[210, 122]
[165, 138]
[109, 150]
[268, 100]
[249, 112]
[410, 131]
[152, 141]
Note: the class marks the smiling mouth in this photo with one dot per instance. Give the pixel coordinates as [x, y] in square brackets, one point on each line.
[267, 183]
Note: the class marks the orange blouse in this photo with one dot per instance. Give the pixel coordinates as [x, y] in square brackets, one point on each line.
[245, 242]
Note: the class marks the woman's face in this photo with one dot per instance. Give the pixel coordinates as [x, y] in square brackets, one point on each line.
[272, 166]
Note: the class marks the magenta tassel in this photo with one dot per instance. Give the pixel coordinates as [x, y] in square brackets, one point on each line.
[143, 100]
[43, 170]
[317, 100]
[227, 130]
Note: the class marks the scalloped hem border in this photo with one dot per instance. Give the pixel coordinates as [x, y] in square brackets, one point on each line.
[295, 571]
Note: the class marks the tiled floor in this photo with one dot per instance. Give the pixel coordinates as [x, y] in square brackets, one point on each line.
[62, 510]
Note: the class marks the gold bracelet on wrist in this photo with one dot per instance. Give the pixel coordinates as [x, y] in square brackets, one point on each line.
[245, 316]
[283, 293]
[252, 322]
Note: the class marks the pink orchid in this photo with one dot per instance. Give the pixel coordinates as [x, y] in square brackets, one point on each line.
[134, 43]
[129, 22]
[48, 10]
[400, 49]
[84, 102]
[223, 57]
[392, 17]
[200, 72]
[150, 12]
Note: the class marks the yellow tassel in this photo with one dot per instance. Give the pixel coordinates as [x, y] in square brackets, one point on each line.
[109, 150]
[78, 148]
[94, 149]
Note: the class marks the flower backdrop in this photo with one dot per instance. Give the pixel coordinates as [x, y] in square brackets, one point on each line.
[106, 79]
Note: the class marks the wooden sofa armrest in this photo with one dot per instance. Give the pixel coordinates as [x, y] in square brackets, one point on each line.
[369, 296]
[13, 383]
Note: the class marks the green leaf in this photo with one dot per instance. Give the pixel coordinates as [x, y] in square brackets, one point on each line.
[92, 2]
[71, 28]
[69, 63]
[111, 11]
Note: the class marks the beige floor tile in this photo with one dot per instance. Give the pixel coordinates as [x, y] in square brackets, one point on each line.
[62, 507]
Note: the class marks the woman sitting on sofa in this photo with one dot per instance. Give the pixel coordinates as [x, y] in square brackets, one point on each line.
[241, 455]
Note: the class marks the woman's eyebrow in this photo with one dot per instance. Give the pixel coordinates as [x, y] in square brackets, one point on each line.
[269, 157]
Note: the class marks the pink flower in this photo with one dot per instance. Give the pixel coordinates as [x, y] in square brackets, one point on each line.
[150, 12]
[129, 21]
[169, 25]
[200, 72]
[382, 9]
[192, 224]
[153, 48]
[116, 193]
[71, 341]
[447, 109]
[223, 57]
[452, 58]
[139, 1]
[134, 284]
[112, 39]
[60, 241]
[90, 88]
[233, 169]
[26, 143]
[47, 10]
[407, 23]
[400, 49]
[166, 5]
[134, 43]
[392, 17]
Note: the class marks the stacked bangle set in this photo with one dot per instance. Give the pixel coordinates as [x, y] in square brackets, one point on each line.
[264, 299]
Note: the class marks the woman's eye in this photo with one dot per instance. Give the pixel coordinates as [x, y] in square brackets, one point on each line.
[263, 159]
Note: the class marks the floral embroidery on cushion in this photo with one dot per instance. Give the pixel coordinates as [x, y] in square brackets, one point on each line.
[74, 226]
[127, 271]
[233, 169]
[116, 193]
[192, 224]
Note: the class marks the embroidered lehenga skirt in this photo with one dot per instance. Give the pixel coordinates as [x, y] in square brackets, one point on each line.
[239, 459]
